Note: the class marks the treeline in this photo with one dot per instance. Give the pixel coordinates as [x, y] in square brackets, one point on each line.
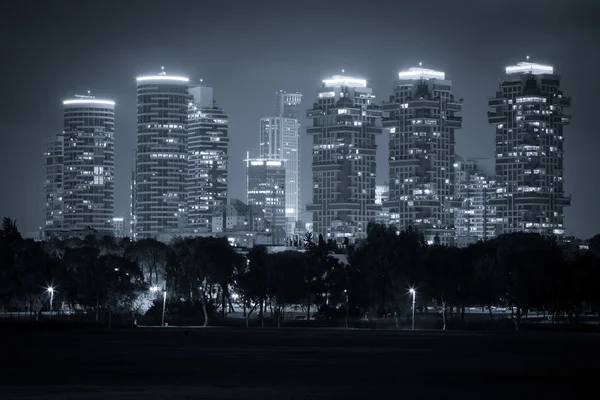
[207, 278]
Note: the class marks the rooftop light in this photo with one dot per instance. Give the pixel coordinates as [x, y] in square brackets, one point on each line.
[341, 80]
[421, 73]
[88, 101]
[527, 67]
[162, 78]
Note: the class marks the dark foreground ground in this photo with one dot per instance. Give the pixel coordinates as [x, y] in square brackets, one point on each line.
[221, 363]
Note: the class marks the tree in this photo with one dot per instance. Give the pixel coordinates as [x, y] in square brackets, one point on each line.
[151, 255]
[286, 280]
[252, 281]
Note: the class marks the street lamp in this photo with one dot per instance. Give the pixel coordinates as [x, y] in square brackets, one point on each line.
[347, 306]
[414, 293]
[156, 289]
[50, 291]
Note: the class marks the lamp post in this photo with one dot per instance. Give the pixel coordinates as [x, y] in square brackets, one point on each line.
[50, 291]
[414, 293]
[347, 306]
[156, 289]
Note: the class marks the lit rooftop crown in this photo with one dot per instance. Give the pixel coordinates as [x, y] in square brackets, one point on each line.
[162, 76]
[529, 68]
[81, 99]
[421, 73]
[341, 80]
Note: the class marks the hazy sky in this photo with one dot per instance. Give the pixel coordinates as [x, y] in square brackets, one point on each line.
[247, 50]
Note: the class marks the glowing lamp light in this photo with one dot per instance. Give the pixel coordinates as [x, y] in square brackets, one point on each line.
[531, 68]
[50, 290]
[421, 73]
[154, 289]
[411, 291]
[161, 78]
[88, 101]
[341, 80]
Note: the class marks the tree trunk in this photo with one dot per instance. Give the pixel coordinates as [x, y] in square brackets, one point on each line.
[308, 308]
[204, 310]
[444, 315]
[223, 303]
[231, 308]
[261, 316]
[247, 316]
[489, 307]
[97, 305]
[462, 313]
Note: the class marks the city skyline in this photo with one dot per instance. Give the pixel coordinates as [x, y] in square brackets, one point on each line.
[474, 80]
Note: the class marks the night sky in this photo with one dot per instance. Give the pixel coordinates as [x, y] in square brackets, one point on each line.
[247, 50]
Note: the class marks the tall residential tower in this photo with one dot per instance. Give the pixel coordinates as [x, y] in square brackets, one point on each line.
[88, 163]
[161, 164]
[528, 113]
[420, 118]
[280, 140]
[207, 158]
[343, 122]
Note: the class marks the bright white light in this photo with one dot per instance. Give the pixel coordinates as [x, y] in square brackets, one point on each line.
[421, 73]
[162, 78]
[274, 163]
[50, 290]
[412, 291]
[89, 101]
[117, 219]
[154, 289]
[341, 80]
[256, 163]
[527, 67]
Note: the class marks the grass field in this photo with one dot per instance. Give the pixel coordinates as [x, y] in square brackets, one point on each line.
[229, 363]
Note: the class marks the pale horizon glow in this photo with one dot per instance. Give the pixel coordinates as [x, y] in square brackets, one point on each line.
[88, 101]
[162, 78]
[421, 73]
[342, 80]
[527, 67]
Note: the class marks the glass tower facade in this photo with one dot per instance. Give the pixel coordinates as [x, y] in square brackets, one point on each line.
[420, 118]
[88, 163]
[343, 123]
[528, 114]
[207, 158]
[161, 154]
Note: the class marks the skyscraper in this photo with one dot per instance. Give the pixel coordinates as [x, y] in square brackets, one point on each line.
[420, 118]
[53, 185]
[161, 165]
[88, 163]
[343, 123]
[528, 113]
[280, 140]
[266, 188]
[207, 158]
[288, 105]
[474, 216]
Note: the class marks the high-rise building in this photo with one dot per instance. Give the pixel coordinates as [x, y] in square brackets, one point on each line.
[474, 216]
[88, 163]
[343, 122]
[420, 118]
[161, 164]
[289, 105]
[528, 113]
[53, 185]
[207, 158]
[279, 140]
[382, 193]
[266, 189]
